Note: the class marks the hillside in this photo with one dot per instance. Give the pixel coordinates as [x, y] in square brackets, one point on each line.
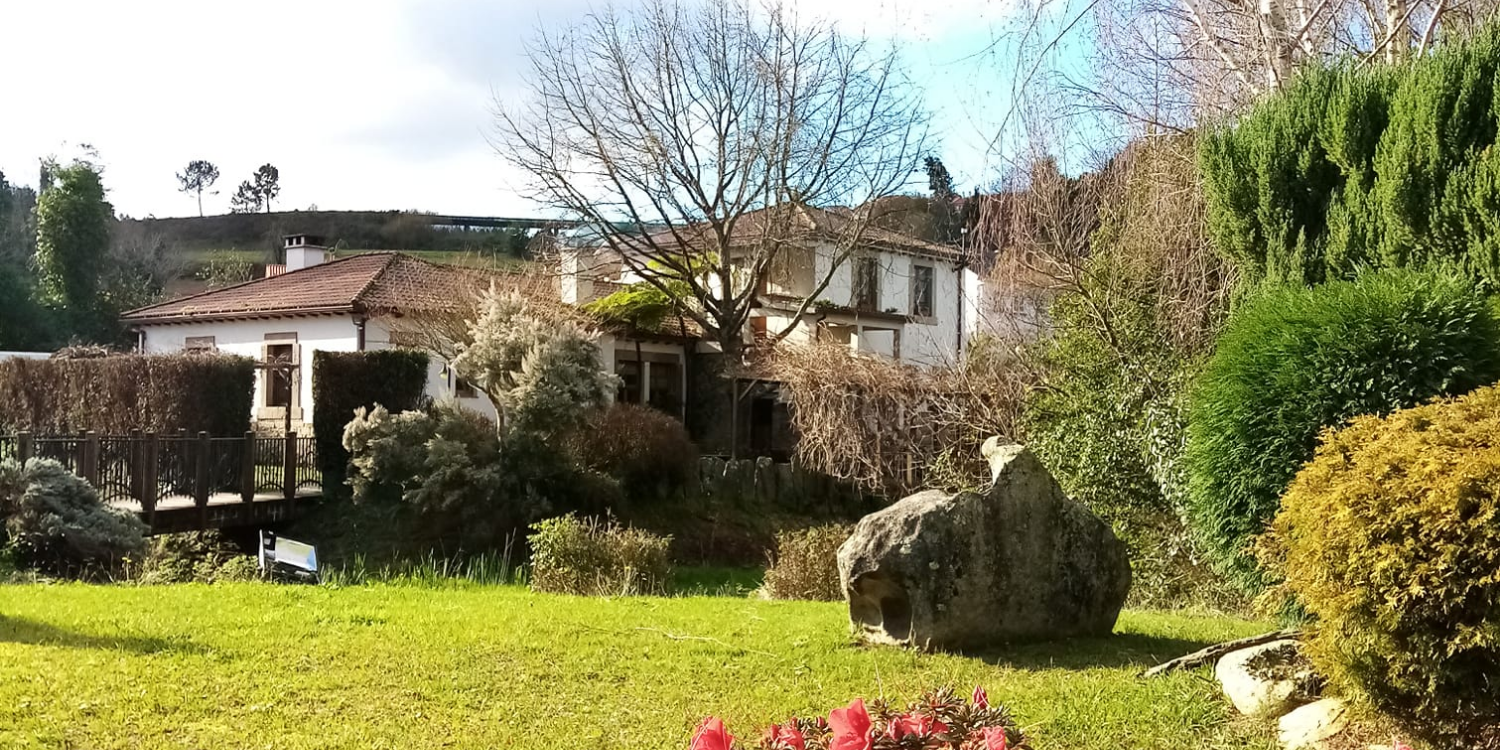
[260, 234]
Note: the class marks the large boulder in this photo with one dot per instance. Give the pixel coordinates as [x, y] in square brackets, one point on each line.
[1022, 561]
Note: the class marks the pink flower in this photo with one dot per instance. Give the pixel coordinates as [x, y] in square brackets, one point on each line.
[788, 735]
[712, 735]
[914, 723]
[1399, 745]
[995, 739]
[851, 727]
[981, 699]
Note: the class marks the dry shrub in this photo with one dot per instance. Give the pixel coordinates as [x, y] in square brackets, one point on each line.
[806, 565]
[115, 394]
[892, 428]
[647, 451]
[597, 557]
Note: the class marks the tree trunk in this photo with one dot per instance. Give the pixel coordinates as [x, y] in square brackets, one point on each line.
[1278, 43]
[1395, 24]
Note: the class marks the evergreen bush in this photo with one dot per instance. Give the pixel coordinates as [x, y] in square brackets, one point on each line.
[56, 524]
[345, 381]
[1294, 361]
[1364, 166]
[1390, 537]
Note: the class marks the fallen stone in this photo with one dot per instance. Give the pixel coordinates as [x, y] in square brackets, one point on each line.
[1268, 679]
[1309, 726]
[966, 570]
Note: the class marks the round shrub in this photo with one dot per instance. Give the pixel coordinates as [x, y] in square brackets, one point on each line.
[1390, 537]
[648, 451]
[1294, 361]
[56, 524]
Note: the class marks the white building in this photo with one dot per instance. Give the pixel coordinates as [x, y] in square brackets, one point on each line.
[359, 303]
[879, 292]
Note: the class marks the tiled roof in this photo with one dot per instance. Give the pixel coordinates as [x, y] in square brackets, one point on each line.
[812, 222]
[370, 283]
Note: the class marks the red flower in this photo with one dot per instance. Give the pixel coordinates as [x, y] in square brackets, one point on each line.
[981, 699]
[851, 727]
[995, 739]
[785, 736]
[914, 723]
[712, 735]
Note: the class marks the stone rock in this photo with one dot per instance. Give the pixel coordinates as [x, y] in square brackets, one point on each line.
[1021, 561]
[1270, 678]
[1310, 725]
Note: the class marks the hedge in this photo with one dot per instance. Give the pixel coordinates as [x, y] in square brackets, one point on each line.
[1295, 361]
[116, 394]
[345, 381]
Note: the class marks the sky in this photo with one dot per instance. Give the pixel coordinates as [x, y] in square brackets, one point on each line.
[370, 104]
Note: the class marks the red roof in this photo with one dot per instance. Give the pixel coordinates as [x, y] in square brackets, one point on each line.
[368, 283]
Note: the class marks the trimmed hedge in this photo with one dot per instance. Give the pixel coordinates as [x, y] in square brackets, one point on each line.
[116, 394]
[345, 381]
[1294, 361]
[1390, 537]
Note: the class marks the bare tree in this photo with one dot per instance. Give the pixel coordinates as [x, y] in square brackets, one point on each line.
[1169, 62]
[698, 141]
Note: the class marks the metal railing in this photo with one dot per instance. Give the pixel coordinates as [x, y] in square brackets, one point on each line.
[148, 469]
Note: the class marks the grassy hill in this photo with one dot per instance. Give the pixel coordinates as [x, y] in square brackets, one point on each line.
[258, 236]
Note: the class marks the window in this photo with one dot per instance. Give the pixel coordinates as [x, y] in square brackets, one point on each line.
[666, 386]
[866, 284]
[790, 273]
[463, 388]
[630, 382]
[921, 291]
[279, 374]
[199, 344]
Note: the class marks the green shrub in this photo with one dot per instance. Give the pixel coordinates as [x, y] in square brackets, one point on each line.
[194, 557]
[56, 524]
[593, 557]
[806, 564]
[1390, 537]
[114, 395]
[472, 486]
[648, 452]
[1294, 361]
[345, 381]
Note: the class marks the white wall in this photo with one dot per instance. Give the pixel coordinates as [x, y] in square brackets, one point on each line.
[328, 333]
[930, 341]
[441, 380]
[247, 337]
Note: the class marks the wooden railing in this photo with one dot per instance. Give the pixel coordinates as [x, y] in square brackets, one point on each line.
[149, 470]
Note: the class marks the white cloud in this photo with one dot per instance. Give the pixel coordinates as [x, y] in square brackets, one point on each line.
[361, 104]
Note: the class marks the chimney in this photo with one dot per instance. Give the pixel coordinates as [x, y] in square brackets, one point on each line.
[304, 251]
[577, 276]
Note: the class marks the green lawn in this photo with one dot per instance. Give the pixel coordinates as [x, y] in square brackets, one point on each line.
[469, 666]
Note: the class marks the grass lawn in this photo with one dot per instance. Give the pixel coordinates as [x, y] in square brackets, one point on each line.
[471, 666]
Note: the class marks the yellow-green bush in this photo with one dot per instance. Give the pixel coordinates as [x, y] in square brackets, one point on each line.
[806, 563]
[1390, 537]
[597, 557]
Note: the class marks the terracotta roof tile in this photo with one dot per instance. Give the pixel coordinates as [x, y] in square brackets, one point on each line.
[365, 283]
